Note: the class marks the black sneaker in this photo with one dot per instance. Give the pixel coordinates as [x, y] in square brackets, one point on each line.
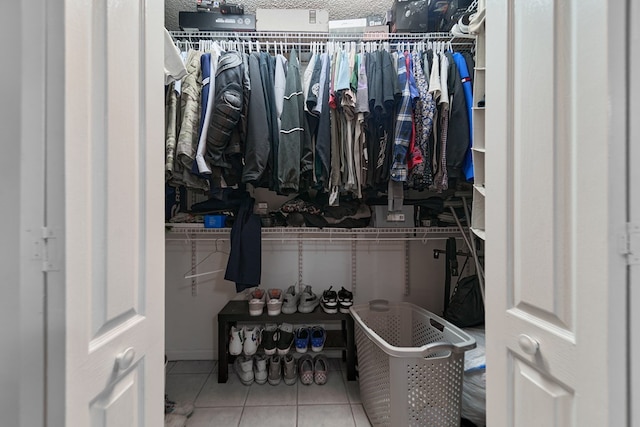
[329, 301]
[345, 300]
[269, 339]
[285, 339]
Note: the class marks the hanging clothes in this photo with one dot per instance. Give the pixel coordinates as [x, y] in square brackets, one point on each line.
[458, 129]
[257, 145]
[244, 266]
[292, 133]
[465, 78]
[421, 176]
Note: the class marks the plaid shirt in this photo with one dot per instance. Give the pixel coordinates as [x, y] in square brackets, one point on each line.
[404, 126]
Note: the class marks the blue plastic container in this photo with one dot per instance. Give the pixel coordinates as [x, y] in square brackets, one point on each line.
[214, 221]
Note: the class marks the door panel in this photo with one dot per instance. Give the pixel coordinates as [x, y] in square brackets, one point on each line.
[121, 403]
[539, 398]
[114, 203]
[550, 281]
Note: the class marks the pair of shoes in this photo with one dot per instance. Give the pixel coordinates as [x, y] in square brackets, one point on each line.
[329, 301]
[277, 338]
[174, 420]
[308, 300]
[345, 300]
[257, 300]
[282, 367]
[244, 340]
[290, 300]
[313, 369]
[250, 368]
[243, 365]
[275, 298]
[316, 336]
[177, 408]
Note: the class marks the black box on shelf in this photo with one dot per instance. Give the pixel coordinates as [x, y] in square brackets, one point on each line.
[214, 21]
[418, 16]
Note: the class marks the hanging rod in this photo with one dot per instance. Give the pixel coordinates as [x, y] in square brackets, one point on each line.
[316, 36]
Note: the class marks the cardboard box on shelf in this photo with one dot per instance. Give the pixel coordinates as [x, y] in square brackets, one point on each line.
[383, 218]
[301, 20]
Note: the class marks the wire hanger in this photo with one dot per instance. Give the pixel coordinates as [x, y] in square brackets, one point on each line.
[192, 270]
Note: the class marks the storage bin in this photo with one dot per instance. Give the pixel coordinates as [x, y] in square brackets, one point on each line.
[214, 221]
[410, 363]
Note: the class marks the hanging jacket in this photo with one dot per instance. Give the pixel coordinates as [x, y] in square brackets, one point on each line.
[244, 266]
[227, 109]
[465, 78]
[458, 129]
[291, 139]
[257, 146]
[191, 88]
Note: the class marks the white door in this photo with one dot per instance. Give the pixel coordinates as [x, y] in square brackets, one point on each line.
[114, 204]
[555, 283]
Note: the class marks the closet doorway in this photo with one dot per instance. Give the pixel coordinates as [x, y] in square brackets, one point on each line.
[113, 328]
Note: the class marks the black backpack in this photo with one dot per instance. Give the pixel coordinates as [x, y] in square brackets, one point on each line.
[466, 307]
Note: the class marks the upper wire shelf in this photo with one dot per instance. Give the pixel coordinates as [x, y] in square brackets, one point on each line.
[305, 38]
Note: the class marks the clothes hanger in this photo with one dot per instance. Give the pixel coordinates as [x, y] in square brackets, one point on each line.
[206, 273]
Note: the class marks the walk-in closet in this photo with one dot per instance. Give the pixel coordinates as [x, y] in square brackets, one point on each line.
[361, 210]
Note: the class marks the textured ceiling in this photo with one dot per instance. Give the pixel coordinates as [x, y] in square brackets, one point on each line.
[338, 9]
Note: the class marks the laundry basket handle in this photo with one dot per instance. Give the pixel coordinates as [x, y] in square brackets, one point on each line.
[379, 305]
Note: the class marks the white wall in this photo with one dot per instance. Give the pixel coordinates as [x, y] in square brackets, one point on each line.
[338, 9]
[191, 327]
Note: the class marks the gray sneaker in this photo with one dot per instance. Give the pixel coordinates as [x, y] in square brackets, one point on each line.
[260, 368]
[275, 370]
[290, 375]
[290, 300]
[243, 366]
[308, 300]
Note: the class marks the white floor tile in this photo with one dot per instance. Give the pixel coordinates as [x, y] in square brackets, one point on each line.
[332, 392]
[193, 367]
[215, 417]
[267, 394]
[272, 416]
[185, 387]
[325, 416]
[231, 393]
[353, 389]
[360, 416]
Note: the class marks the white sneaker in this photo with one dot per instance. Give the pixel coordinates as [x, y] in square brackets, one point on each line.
[257, 300]
[243, 366]
[274, 301]
[236, 341]
[251, 339]
[260, 368]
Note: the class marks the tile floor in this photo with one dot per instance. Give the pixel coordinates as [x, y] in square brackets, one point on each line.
[335, 404]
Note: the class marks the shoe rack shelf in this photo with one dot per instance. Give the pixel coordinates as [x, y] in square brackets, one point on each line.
[238, 312]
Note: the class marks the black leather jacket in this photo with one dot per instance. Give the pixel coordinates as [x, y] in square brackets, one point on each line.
[223, 135]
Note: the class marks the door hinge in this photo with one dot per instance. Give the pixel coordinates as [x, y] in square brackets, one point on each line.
[49, 250]
[629, 243]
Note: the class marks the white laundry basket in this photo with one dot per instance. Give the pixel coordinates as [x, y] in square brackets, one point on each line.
[410, 364]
